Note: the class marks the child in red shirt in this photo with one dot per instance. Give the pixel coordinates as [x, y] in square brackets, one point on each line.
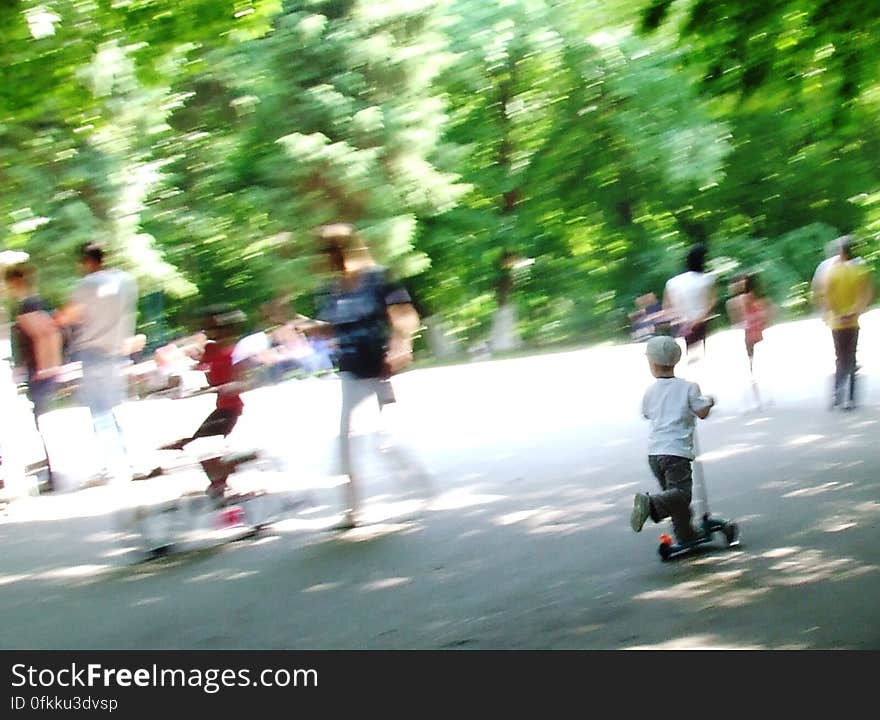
[226, 379]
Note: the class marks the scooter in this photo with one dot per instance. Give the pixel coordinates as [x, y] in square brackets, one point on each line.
[707, 526]
[196, 519]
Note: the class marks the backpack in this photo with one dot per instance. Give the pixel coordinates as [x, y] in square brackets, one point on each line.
[361, 326]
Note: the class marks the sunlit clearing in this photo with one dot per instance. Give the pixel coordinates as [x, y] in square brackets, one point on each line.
[119, 552]
[386, 583]
[213, 575]
[781, 552]
[696, 642]
[585, 629]
[41, 22]
[596, 522]
[868, 507]
[515, 517]
[739, 598]
[737, 449]
[242, 575]
[804, 440]
[557, 529]
[147, 601]
[10, 579]
[816, 490]
[385, 511]
[75, 571]
[810, 566]
[322, 587]
[459, 498]
[833, 526]
[716, 582]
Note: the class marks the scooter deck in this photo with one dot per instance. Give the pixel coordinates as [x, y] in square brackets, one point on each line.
[162, 522]
[669, 549]
[193, 522]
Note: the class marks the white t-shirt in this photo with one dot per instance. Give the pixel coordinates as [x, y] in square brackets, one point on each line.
[690, 295]
[109, 300]
[250, 346]
[821, 273]
[670, 404]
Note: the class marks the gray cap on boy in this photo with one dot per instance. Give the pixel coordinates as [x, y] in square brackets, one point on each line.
[663, 350]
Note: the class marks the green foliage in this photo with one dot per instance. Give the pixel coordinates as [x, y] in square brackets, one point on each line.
[204, 140]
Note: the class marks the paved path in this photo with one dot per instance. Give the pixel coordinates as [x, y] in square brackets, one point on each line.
[527, 544]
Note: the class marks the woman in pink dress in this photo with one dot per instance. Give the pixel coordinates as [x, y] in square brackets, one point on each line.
[751, 311]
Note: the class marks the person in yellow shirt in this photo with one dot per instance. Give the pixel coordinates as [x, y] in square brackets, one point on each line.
[848, 292]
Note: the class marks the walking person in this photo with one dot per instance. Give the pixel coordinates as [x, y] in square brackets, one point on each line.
[102, 311]
[223, 325]
[37, 346]
[848, 292]
[372, 321]
[751, 311]
[690, 298]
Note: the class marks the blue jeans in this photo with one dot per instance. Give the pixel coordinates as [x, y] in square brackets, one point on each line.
[846, 341]
[101, 390]
[40, 393]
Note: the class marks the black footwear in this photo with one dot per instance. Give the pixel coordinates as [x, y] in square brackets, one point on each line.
[216, 491]
[641, 511]
[97, 480]
[348, 522]
[158, 552]
[233, 460]
[176, 445]
[154, 473]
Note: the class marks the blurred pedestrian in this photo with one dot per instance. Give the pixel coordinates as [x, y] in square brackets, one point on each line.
[227, 378]
[749, 310]
[36, 342]
[848, 291]
[373, 321]
[102, 311]
[690, 298]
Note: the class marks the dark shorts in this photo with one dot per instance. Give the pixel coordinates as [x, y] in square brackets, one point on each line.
[697, 334]
[219, 422]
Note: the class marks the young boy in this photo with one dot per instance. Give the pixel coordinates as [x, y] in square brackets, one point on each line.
[226, 379]
[670, 404]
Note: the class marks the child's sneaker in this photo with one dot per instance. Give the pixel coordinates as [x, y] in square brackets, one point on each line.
[641, 511]
[216, 491]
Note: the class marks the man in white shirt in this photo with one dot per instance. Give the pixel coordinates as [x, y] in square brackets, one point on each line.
[690, 298]
[103, 310]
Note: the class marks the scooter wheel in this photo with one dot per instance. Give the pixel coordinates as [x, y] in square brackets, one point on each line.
[663, 549]
[731, 533]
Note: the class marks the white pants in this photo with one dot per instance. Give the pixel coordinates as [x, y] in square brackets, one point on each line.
[396, 458]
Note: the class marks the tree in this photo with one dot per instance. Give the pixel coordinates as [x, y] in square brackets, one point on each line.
[83, 96]
[582, 148]
[330, 117]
